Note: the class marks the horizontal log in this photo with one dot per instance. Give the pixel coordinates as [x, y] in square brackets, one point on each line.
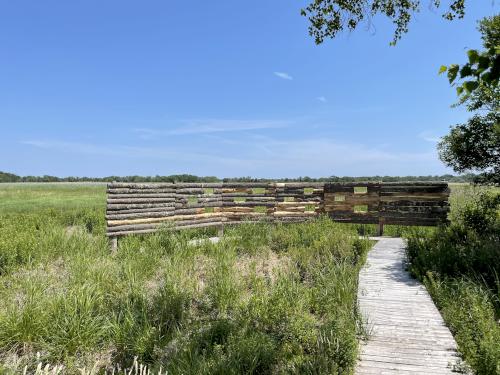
[143, 196]
[114, 207]
[443, 195]
[140, 215]
[356, 220]
[318, 185]
[138, 210]
[199, 199]
[236, 209]
[293, 213]
[250, 198]
[411, 209]
[414, 215]
[197, 205]
[248, 204]
[131, 185]
[190, 211]
[178, 224]
[139, 200]
[236, 185]
[349, 195]
[415, 198]
[190, 191]
[112, 223]
[210, 185]
[415, 183]
[349, 207]
[353, 214]
[129, 227]
[415, 189]
[414, 203]
[249, 195]
[146, 192]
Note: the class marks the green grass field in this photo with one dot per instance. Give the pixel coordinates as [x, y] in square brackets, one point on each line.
[28, 197]
[266, 299]
[270, 299]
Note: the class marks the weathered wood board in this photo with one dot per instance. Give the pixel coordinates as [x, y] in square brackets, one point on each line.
[407, 334]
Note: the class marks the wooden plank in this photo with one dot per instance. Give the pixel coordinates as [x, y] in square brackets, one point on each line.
[133, 185]
[138, 200]
[408, 334]
[140, 195]
[114, 207]
[119, 216]
[112, 223]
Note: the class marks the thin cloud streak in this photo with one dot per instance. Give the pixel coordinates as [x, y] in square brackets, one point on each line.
[209, 126]
[322, 99]
[429, 137]
[283, 75]
[263, 157]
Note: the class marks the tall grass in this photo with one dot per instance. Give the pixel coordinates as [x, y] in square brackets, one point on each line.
[265, 299]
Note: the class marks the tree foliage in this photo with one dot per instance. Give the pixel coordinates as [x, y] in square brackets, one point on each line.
[476, 81]
[476, 144]
[329, 17]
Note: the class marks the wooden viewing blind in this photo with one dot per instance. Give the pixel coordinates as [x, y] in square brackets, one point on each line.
[135, 208]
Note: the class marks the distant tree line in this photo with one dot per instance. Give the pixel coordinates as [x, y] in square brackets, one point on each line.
[10, 177]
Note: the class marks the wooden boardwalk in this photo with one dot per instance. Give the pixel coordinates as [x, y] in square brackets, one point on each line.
[406, 332]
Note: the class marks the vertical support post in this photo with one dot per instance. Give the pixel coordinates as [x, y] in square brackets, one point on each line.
[380, 231]
[114, 244]
[220, 230]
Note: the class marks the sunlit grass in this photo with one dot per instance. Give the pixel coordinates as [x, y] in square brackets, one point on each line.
[265, 299]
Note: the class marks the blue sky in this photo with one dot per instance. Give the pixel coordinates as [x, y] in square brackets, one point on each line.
[225, 88]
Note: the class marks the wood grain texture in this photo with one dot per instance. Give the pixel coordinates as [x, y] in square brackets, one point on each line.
[407, 332]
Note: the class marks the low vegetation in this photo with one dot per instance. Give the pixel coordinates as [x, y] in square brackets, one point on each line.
[266, 299]
[460, 266]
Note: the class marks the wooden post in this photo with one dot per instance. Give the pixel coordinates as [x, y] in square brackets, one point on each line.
[220, 230]
[114, 244]
[380, 231]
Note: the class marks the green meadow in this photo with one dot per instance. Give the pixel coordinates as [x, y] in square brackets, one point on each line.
[266, 299]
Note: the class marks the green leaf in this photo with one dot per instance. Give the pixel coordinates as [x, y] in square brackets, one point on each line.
[442, 69]
[460, 90]
[470, 86]
[486, 77]
[483, 62]
[473, 56]
[452, 72]
[465, 71]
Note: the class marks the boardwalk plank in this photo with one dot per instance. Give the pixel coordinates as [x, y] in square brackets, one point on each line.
[407, 332]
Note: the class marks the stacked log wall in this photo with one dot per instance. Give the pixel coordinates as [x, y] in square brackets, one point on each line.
[144, 208]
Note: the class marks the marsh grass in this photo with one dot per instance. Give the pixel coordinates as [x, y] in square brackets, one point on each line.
[265, 299]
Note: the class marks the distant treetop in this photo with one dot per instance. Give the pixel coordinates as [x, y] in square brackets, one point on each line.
[10, 177]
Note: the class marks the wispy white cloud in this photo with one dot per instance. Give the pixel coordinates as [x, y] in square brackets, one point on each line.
[132, 152]
[207, 126]
[322, 99]
[283, 75]
[261, 156]
[429, 136]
